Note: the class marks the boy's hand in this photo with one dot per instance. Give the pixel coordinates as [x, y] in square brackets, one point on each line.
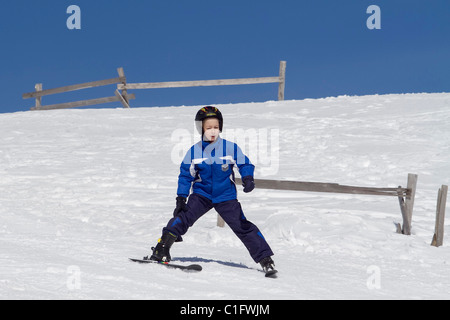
[180, 207]
[248, 183]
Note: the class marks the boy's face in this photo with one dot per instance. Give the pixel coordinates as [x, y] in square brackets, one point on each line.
[211, 129]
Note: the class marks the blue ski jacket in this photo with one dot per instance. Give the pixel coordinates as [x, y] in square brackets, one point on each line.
[207, 168]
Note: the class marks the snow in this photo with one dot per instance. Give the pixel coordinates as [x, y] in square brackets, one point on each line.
[83, 190]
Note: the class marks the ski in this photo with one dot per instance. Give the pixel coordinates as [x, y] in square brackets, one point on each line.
[188, 268]
[195, 267]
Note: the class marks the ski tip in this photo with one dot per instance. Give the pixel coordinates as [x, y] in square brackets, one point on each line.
[194, 267]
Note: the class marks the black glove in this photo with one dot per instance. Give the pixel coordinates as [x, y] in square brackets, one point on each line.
[248, 183]
[180, 207]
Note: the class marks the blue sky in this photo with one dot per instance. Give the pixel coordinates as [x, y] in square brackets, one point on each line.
[327, 46]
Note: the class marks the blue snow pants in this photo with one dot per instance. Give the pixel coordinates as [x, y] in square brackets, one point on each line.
[232, 214]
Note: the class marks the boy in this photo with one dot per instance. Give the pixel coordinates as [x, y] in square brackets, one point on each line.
[208, 169]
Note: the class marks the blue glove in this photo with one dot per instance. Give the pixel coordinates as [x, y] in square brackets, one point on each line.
[248, 183]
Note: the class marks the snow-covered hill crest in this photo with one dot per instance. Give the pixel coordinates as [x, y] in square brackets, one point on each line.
[83, 190]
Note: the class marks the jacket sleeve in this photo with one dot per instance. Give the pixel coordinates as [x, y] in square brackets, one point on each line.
[186, 176]
[246, 168]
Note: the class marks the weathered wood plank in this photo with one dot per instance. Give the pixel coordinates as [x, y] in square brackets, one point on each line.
[82, 103]
[38, 88]
[438, 238]
[74, 87]
[406, 228]
[220, 221]
[199, 83]
[325, 187]
[282, 80]
[399, 192]
[124, 94]
[122, 99]
[409, 200]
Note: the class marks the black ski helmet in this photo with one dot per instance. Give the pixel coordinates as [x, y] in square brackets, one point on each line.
[205, 113]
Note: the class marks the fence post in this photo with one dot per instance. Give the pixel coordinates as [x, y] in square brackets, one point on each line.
[409, 203]
[282, 83]
[438, 238]
[38, 87]
[124, 100]
[220, 221]
[406, 229]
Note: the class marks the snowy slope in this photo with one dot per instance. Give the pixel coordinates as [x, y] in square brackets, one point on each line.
[83, 190]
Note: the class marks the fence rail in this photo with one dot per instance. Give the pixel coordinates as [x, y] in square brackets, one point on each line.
[405, 195]
[73, 87]
[39, 93]
[281, 79]
[85, 103]
[327, 187]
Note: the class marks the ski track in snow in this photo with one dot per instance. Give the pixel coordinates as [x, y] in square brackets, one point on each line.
[83, 190]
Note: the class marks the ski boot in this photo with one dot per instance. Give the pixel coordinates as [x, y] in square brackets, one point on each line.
[268, 267]
[161, 252]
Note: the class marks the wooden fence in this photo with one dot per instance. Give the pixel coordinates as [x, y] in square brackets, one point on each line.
[281, 79]
[405, 195]
[123, 86]
[123, 97]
